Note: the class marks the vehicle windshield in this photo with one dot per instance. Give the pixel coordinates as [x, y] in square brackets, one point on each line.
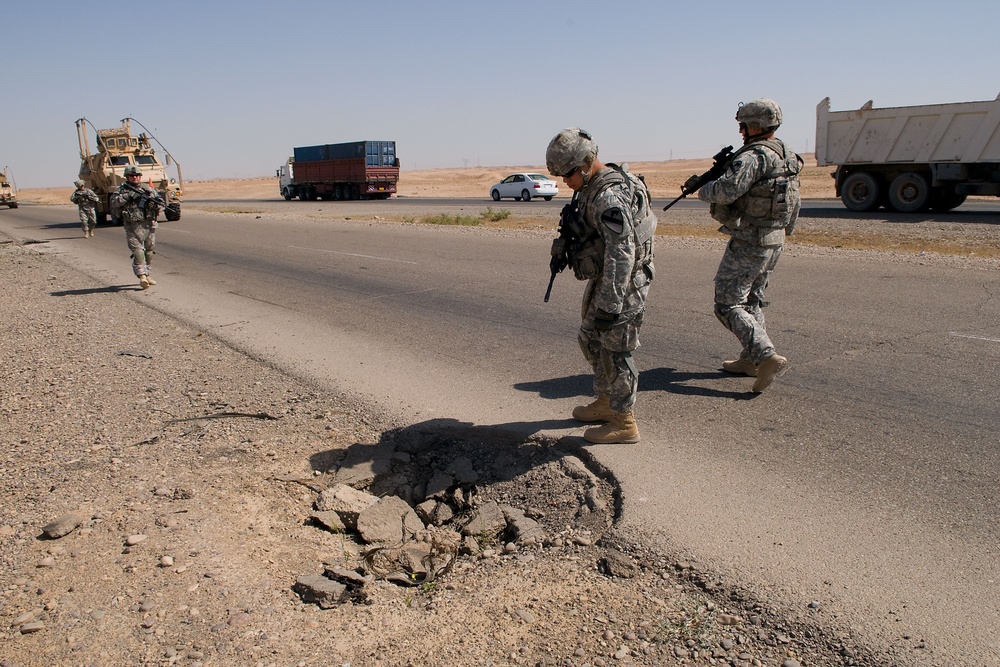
[119, 160]
[147, 160]
[538, 177]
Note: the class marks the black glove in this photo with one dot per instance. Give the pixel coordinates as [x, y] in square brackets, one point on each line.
[691, 184]
[604, 321]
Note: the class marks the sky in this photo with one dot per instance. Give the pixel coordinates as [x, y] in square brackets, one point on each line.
[229, 88]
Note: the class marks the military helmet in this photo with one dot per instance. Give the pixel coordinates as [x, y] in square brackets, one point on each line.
[568, 150]
[132, 170]
[762, 114]
[78, 183]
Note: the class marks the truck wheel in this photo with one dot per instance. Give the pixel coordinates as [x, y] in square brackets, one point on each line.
[172, 213]
[909, 193]
[286, 194]
[525, 195]
[102, 218]
[12, 204]
[859, 192]
[946, 200]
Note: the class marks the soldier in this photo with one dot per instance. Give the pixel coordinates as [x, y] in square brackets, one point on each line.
[757, 201]
[138, 206]
[613, 252]
[86, 199]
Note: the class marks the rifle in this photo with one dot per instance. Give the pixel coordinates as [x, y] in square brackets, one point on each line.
[569, 229]
[719, 164]
[148, 198]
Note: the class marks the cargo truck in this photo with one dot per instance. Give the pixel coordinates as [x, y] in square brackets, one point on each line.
[351, 170]
[8, 193]
[911, 159]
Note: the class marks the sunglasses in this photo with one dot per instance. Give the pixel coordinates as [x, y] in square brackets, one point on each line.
[570, 173]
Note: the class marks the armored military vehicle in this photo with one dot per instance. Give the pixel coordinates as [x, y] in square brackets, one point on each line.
[118, 148]
[8, 193]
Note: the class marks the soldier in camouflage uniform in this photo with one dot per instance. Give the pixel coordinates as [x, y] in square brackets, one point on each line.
[615, 256]
[757, 201]
[86, 200]
[136, 203]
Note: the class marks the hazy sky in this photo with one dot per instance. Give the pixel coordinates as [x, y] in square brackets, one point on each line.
[231, 87]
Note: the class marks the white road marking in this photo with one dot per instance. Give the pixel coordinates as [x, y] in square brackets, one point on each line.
[351, 254]
[992, 340]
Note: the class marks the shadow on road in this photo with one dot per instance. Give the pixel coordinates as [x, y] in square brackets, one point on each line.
[97, 290]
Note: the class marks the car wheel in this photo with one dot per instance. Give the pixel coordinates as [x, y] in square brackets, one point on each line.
[496, 195]
[547, 198]
[525, 195]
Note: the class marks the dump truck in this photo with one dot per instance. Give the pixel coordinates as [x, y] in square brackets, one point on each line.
[911, 159]
[8, 192]
[118, 148]
[351, 170]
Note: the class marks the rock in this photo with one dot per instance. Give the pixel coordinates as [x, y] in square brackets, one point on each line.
[346, 501]
[317, 589]
[615, 564]
[388, 521]
[62, 525]
[487, 520]
[439, 484]
[526, 531]
[329, 520]
[133, 540]
[34, 626]
[463, 470]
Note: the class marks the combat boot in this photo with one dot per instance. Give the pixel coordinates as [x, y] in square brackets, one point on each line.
[149, 279]
[740, 367]
[621, 428]
[598, 411]
[143, 282]
[769, 369]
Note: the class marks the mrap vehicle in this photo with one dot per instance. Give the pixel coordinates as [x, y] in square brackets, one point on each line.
[8, 193]
[118, 148]
[351, 170]
[911, 159]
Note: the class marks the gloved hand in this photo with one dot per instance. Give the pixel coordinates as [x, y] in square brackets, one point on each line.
[691, 183]
[604, 320]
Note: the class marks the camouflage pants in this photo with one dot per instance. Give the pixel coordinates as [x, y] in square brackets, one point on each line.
[141, 237]
[88, 218]
[739, 295]
[610, 352]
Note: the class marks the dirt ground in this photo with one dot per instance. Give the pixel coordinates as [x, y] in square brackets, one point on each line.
[187, 472]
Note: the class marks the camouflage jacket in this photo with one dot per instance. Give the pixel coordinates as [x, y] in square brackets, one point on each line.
[85, 198]
[128, 204]
[758, 194]
[615, 205]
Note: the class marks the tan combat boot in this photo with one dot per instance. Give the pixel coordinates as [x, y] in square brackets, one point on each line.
[769, 369]
[143, 282]
[598, 411]
[621, 428]
[740, 367]
[149, 279]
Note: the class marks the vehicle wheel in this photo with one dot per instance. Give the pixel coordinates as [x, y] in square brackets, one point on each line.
[859, 192]
[909, 193]
[496, 195]
[12, 204]
[547, 198]
[355, 192]
[172, 213]
[525, 195]
[102, 218]
[946, 200]
[286, 194]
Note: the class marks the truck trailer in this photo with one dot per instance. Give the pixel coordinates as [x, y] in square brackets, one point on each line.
[911, 159]
[351, 170]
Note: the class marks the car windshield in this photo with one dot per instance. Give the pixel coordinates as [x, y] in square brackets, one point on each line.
[538, 177]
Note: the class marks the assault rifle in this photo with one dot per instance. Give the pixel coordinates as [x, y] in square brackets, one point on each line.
[719, 164]
[148, 199]
[567, 243]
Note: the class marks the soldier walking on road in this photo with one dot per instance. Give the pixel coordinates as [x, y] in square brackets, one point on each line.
[86, 200]
[612, 249]
[138, 206]
[757, 201]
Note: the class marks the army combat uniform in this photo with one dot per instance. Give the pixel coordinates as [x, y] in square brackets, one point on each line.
[86, 200]
[140, 226]
[617, 262]
[757, 201]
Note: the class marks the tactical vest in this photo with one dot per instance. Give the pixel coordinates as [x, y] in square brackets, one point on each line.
[588, 261]
[773, 201]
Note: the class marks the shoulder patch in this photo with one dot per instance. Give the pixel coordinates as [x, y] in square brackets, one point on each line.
[613, 220]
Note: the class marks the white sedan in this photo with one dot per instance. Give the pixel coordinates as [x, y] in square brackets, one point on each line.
[524, 187]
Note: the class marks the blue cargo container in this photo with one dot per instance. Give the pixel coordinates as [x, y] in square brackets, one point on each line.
[349, 170]
[310, 153]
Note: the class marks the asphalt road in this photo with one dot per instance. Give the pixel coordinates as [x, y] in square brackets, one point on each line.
[864, 480]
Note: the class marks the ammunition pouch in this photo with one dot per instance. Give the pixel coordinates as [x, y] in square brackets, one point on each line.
[588, 259]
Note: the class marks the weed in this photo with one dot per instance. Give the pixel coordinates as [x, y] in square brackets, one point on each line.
[494, 216]
[460, 220]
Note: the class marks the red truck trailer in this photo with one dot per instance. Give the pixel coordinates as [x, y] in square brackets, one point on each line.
[352, 170]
